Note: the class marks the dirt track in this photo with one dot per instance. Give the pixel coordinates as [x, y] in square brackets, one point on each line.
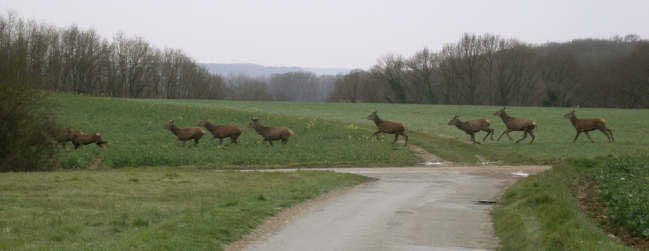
[407, 208]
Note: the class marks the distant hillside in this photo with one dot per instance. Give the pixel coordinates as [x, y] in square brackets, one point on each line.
[255, 70]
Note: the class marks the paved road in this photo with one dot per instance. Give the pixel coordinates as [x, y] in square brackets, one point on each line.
[417, 208]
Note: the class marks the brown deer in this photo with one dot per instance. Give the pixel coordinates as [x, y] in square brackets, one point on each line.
[185, 134]
[221, 131]
[587, 125]
[61, 136]
[473, 126]
[388, 127]
[270, 133]
[83, 139]
[516, 124]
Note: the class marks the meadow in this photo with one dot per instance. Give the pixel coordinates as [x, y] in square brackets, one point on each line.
[135, 138]
[554, 134]
[148, 208]
[134, 194]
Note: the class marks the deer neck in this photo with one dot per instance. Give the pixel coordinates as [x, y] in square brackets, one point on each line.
[209, 126]
[377, 120]
[260, 129]
[174, 129]
[460, 125]
[574, 120]
[505, 117]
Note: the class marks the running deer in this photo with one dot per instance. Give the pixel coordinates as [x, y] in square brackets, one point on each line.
[473, 126]
[82, 139]
[270, 134]
[587, 125]
[221, 131]
[388, 127]
[185, 134]
[516, 124]
[61, 136]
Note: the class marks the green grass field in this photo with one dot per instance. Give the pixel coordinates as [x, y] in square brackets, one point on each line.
[136, 138]
[148, 208]
[137, 199]
[554, 133]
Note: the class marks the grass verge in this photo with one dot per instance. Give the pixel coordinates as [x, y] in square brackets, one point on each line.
[540, 212]
[148, 208]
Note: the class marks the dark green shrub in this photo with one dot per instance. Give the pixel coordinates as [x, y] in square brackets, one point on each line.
[24, 111]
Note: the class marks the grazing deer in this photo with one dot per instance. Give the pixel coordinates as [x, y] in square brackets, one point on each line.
[587, 125]
[270, 133]
[473, 126]
[82, 139]
[388, 127]
[221, 131]
[516, 124]
[185, 134]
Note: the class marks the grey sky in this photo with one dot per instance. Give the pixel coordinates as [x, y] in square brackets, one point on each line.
[334, 33]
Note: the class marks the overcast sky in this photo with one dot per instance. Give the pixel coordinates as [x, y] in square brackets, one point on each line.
[334, 33]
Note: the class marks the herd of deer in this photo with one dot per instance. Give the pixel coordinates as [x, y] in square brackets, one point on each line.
[527, 126]
[271, 134]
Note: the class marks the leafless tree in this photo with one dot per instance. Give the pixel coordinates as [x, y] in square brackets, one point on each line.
[421, 76]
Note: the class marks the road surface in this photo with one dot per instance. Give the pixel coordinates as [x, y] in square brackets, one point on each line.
[411, 208]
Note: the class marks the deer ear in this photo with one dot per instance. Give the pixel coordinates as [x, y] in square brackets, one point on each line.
[374, 112]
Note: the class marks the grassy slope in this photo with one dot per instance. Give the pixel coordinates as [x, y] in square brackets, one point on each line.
[136, 138]
[554, 133]
[539, 213]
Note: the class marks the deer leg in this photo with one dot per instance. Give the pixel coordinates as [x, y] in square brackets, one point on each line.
[375, 134]
[220, 141]
[505, 132]
[489, 132]
[576, 136]
[473, 139]
[611, 132]
[405, 136]
[605, 133]
[524, 137]
[588, 135]
[396, 136]
[532, 134]
[271, 142]
[284, 141]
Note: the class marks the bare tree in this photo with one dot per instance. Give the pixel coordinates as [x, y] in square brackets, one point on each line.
[561, 72]
[421, 76]
[390, 70]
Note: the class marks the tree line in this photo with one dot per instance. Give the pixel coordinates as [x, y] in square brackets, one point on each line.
[476, 70]
[491, 70]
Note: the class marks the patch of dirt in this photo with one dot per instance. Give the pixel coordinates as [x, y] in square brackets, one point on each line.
[424, 155]
[587, 201]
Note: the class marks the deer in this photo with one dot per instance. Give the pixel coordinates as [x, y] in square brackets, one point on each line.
[388, 127]
[185, 134]
[221, 131]
[270, 134]
[82, 139]
[61, 135]
[516, 124]
[587, 125]
[473, 126]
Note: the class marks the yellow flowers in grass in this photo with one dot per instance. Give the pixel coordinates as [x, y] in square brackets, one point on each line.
[352, 126]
